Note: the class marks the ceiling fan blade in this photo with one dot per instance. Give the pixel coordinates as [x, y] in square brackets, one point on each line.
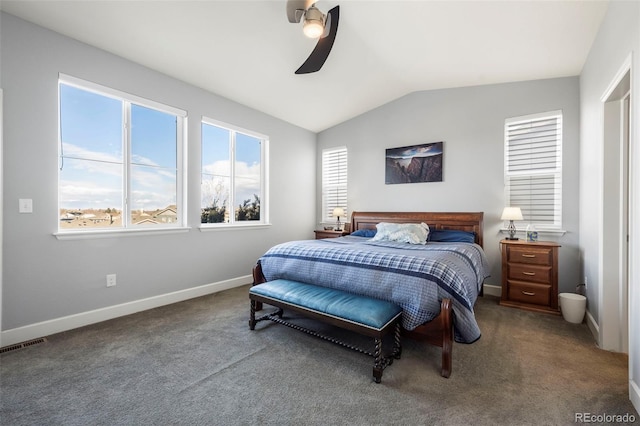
[319, 55]
[296, 9]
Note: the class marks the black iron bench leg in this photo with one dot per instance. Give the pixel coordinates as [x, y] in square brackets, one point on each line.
[397, 347]
[378, 365]
[252, 316]
[257, 306]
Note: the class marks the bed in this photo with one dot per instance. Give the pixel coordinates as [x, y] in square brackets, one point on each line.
[436, 284]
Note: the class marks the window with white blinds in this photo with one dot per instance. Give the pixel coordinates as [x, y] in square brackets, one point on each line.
[533, 168]
[334, 183]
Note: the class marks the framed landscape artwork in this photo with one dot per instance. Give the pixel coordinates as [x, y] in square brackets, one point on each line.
[413, 164]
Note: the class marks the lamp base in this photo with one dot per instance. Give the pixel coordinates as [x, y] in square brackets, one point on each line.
[512, 238]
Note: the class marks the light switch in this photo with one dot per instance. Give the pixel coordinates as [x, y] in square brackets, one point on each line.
[26, 205]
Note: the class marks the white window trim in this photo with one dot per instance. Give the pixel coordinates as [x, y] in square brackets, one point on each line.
[181, 161]
[235, 227]
[540, 231]
[81, 235]
[521, 225]
[264, 183]
[118, 94]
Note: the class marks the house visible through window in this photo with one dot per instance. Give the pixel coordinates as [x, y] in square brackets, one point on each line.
[334, 183]
[533, 168]
[233, 175]
[120, 160]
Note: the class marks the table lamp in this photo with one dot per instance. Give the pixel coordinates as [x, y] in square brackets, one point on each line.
[337, 212]
[511, 214]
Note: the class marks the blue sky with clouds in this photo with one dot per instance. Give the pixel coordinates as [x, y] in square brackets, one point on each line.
[216, 165]
[92, 146]
[91, 131]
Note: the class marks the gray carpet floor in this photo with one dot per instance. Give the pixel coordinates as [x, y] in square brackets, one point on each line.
[197, 363]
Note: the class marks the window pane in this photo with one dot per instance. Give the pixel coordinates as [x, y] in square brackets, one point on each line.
[216, 174]
[247, 177]
[153, 196]
[90, 186]
[153, 167]
[90, 194]
[90, 125]
[153, 137]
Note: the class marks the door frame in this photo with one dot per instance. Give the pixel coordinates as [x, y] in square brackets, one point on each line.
[613, 311]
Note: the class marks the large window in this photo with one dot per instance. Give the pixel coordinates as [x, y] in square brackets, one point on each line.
[233, 175]
[533, 168]
[334, 183]
[120, 160]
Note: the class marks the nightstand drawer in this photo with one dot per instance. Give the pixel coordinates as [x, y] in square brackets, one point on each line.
[537, 294]
[531, 273]
[531, 255]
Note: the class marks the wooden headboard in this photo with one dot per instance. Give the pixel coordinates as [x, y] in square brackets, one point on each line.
[470, 222]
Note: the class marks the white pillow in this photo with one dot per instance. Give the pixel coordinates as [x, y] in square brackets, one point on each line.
[412, 233]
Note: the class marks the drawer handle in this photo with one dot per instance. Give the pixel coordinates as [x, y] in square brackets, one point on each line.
[528, 255]
[528, 293]
[531, 274]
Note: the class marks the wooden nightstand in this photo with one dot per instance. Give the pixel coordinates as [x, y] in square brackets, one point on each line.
[530, 275]
[320, 234]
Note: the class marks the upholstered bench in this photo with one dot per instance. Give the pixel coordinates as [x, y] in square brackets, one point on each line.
[365, 315]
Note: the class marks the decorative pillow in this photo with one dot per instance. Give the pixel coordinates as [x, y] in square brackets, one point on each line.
[452, 236]
[412, 233]
[369, 233]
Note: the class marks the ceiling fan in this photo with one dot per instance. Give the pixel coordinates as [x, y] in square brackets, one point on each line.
[316, 25]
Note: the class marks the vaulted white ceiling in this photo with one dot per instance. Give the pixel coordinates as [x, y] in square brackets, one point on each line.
[247, 51]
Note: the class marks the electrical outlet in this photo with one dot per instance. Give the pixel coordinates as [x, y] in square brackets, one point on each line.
[111, 280]
[585, 281]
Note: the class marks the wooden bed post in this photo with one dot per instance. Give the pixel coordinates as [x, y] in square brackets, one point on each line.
[438, 332]
[258, 278]
[447, 337]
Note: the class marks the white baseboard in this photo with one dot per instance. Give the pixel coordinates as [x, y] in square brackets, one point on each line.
[492, 290]
[46, 328]
[593, 326]
[634, 394]
[496, 290]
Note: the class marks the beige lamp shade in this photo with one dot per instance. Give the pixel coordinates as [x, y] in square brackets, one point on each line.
[511, 213]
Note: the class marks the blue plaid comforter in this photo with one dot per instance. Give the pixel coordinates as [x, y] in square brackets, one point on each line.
[415, 277]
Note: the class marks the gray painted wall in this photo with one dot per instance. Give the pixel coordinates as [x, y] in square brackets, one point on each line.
[45, 278]
[619, 36]
[470, 121]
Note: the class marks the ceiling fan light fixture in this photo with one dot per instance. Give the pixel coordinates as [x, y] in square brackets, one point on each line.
[313, 23]
[316, 25]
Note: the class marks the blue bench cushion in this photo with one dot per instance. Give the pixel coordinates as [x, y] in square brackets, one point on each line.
[365, 311]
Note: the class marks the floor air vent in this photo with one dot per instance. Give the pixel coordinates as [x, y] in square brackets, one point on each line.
[22, 345]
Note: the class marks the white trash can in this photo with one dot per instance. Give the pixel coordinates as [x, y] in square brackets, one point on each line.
[573, 307]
